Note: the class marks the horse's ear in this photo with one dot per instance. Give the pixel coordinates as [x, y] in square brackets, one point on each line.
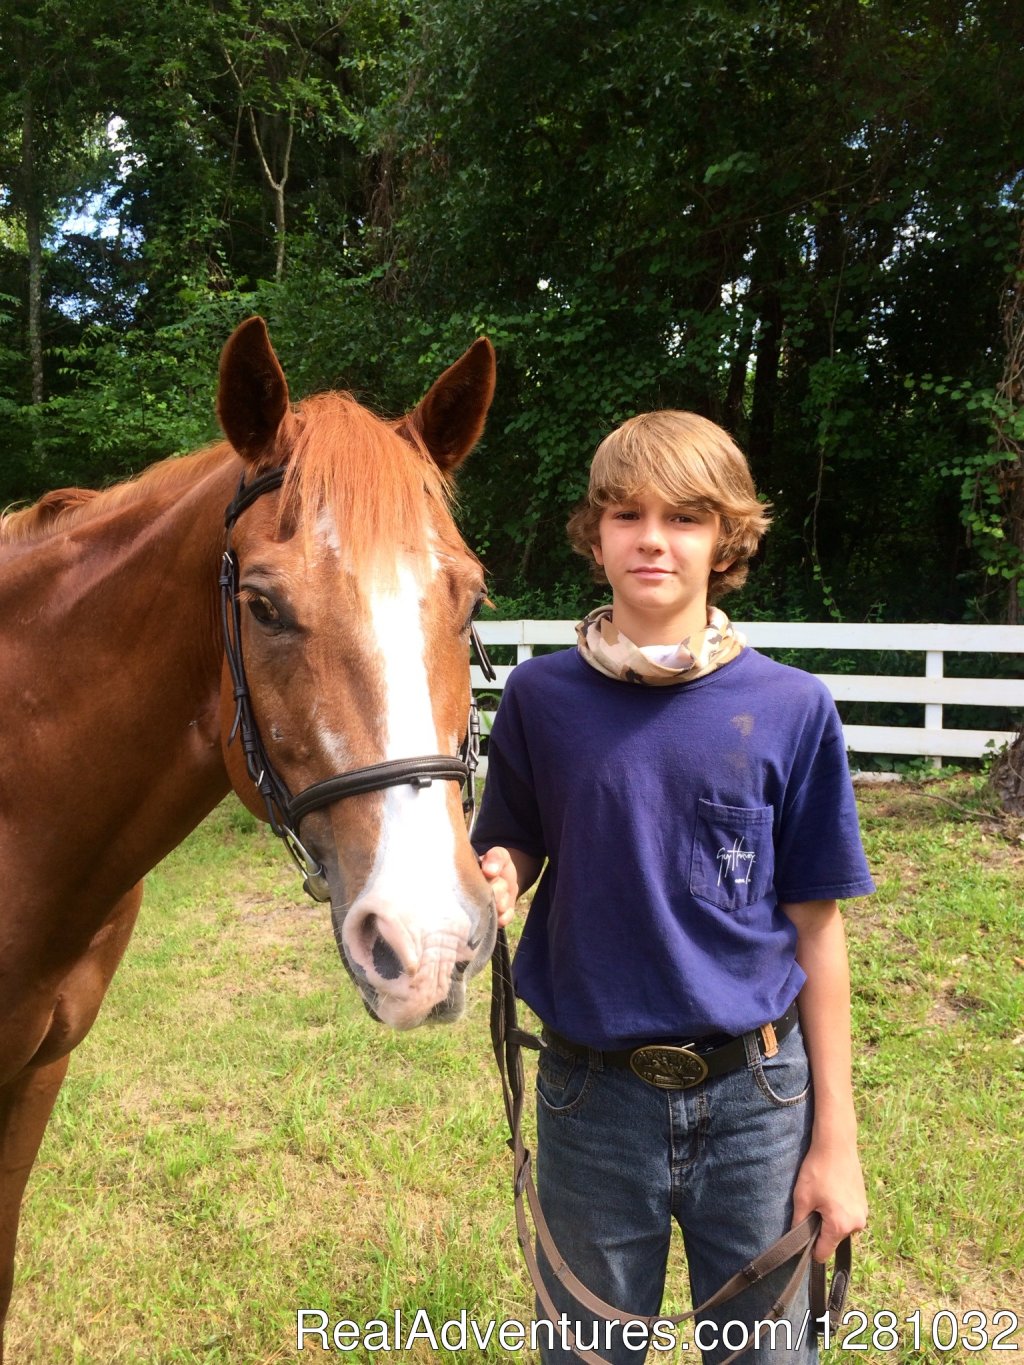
[450, 418]
[252, 397]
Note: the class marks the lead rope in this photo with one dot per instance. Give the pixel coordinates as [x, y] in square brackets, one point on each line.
[508, 1040]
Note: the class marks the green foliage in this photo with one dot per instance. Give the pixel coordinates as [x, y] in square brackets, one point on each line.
[979, 469]
[782, 217]
[769, 258]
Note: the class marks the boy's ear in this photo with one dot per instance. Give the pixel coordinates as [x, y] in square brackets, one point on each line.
[725, 560]
[595, 547]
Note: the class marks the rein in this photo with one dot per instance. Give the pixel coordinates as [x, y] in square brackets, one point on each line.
[508, 1040]
[285, 811]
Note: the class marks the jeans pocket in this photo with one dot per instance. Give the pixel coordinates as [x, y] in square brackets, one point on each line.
[562, 1080]
[785, 1079]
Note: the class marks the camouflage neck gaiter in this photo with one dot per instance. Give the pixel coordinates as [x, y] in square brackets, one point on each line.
[612, 653]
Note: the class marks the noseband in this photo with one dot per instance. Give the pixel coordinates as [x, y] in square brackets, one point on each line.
[284, 811]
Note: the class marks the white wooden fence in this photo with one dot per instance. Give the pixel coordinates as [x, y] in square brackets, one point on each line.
[932, 690]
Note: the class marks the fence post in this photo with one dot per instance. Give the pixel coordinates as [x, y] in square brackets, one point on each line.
[523, 651]
[933, 668]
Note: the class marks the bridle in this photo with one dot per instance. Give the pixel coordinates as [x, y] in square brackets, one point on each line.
[285, 812]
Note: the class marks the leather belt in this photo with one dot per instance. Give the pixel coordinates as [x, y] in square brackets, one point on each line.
[678, 1066]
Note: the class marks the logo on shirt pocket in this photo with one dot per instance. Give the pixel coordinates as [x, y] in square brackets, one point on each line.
[733, 855]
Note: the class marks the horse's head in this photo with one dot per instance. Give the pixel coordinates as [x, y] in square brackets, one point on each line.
[356, 595]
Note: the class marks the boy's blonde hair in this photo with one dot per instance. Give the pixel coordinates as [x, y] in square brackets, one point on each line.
[689, 462]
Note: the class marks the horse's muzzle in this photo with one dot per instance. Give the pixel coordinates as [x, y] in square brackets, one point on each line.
[411, 967]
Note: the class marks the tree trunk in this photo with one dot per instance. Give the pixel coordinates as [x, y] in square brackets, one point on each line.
[33, 234]
[765, 389]
[1006, 780]
[1008, 412]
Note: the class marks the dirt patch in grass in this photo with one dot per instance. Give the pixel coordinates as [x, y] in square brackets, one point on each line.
[969, 1285]
[954, 805]
[278, 941]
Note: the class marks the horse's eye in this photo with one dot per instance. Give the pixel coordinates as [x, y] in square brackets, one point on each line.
[478, 607]
[262, 609]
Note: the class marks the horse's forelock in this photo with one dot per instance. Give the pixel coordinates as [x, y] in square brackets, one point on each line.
[354, 465]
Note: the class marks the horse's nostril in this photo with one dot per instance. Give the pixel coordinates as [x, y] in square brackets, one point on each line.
[385, 960]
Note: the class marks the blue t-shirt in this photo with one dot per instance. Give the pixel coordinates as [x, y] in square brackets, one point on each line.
[675, 819]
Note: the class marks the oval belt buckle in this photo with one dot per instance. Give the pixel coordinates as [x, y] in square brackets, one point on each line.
[668, 1068]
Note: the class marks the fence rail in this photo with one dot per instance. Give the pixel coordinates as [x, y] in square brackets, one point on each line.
[931, 689]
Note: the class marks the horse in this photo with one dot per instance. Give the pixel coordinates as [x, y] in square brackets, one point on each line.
[152, 660]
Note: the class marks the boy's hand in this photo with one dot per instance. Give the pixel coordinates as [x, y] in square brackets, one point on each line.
[499, 869]
[831, 1182]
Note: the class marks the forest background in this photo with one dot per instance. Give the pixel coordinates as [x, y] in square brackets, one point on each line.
[800, 219]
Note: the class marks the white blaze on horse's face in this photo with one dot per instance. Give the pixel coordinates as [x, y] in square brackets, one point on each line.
[412, 928]
[387, 647]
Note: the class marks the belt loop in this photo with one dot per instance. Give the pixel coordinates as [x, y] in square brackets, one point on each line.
[771, 1043]
[751, 1048]
[595, 1059]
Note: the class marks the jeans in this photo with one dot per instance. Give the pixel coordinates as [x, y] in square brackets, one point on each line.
[618, 1160]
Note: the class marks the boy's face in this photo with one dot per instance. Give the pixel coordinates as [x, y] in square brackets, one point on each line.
[658, 559]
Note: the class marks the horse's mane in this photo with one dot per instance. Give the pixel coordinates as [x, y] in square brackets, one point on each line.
[67, 507]
[343, 458]
[30, 523]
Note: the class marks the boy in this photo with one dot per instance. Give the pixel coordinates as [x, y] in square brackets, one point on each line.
[695, 808]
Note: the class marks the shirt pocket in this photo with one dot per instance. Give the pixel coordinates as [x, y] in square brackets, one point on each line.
[733, 860]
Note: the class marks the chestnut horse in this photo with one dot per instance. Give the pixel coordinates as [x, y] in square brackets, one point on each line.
[350, 602]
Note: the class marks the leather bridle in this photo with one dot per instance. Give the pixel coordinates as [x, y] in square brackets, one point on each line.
[285, 812]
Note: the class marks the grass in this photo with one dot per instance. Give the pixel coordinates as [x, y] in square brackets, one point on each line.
[236, 1139]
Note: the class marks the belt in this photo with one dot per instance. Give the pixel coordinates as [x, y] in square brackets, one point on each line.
[678, 1066]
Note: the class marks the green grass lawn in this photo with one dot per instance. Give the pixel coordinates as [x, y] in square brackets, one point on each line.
[237, 1139]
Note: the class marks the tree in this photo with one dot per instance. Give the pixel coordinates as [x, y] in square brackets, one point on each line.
[210, 135]
[49, 152]
[1007, 776]
[773, 213]
[792, 217]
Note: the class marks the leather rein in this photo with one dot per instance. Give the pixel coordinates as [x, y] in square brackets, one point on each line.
[285, 811]
[508, 1040]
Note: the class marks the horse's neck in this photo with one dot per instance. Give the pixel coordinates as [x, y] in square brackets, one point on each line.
[112, 666]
